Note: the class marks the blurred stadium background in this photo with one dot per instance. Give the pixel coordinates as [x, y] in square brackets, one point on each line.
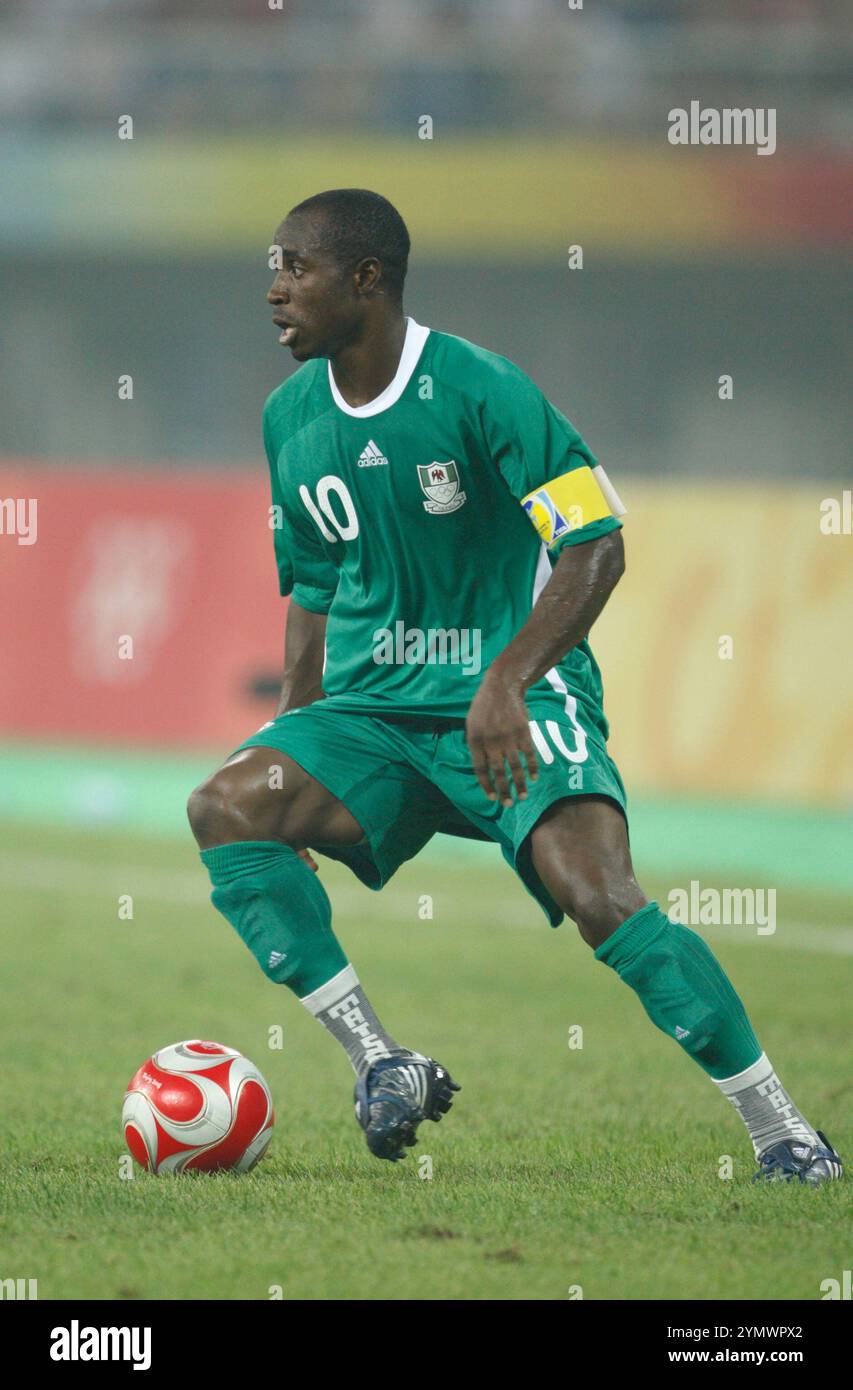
[148, 258]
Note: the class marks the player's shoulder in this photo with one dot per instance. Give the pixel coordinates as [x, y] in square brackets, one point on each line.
[475, 369]
[297, 400]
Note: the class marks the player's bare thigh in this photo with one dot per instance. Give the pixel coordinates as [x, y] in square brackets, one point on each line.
[262, 794]
[579, 849]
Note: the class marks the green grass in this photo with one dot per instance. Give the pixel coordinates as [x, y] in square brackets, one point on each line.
[595, 1167]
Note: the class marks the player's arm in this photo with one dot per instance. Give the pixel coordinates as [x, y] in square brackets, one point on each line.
[304, 652]
[497, 727]
[575, 510]
[583, 579]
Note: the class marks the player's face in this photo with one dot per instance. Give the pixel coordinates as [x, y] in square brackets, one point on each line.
[315, 303]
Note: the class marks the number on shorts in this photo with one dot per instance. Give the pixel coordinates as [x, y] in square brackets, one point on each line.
[578, 754]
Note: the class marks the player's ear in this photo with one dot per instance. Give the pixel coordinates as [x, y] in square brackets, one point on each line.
[368, 274]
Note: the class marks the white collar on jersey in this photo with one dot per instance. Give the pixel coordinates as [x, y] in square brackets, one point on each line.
[413, 346]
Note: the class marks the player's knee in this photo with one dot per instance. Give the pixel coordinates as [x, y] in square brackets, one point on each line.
[209, 815]
[599, 904]
[225, 809]
[247, 800]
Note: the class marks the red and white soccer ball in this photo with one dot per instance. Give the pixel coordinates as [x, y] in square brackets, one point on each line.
[197, 1105]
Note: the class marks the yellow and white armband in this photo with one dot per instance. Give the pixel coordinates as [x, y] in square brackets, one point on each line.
[573, 500]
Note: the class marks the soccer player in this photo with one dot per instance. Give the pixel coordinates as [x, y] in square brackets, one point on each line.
[447, 540]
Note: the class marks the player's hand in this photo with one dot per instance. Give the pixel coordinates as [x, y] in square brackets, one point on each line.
[498, 733]
[307, 858]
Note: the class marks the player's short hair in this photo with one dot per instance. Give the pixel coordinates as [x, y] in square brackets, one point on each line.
[358, 223]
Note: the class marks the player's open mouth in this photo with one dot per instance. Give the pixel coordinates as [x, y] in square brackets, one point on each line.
[288, 332]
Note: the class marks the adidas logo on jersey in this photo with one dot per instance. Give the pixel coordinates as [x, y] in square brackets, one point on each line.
[371, 456]
[276, 957]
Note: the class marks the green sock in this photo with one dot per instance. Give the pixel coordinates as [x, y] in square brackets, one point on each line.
[280, 909]
[683, 989]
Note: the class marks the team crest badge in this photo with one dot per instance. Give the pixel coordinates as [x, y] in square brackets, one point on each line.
[440, 482]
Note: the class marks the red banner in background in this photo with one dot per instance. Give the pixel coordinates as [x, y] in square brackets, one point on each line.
[137, 607]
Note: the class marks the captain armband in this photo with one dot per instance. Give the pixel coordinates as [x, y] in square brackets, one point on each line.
[571, 501]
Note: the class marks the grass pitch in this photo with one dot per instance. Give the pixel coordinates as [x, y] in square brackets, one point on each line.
[560, 1168]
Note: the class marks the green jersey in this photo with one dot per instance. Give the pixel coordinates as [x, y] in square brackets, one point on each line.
[409, 521]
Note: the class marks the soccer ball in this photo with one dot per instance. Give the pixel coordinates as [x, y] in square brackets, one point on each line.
[197, 1105]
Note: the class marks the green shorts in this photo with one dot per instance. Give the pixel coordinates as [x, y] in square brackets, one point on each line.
[405, 779]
